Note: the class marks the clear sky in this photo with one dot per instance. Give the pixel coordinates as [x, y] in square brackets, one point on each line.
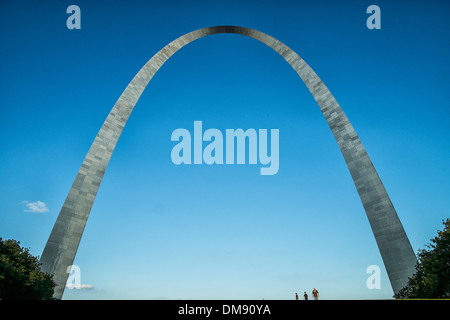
[162, 231]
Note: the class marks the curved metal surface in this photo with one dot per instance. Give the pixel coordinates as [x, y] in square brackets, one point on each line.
[396, 251]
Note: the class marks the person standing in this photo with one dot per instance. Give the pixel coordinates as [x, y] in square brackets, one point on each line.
[305, 296]
[315, 294]
[296, 296]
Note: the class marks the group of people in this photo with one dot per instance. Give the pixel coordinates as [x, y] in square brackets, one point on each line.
[315, 295]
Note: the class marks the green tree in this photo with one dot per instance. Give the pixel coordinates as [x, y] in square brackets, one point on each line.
[20, 274]
[432, 277]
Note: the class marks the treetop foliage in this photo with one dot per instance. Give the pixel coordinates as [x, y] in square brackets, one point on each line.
[432, 277]
[20, 275]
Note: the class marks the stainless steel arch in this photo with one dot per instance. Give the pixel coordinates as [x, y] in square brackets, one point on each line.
[396, 251]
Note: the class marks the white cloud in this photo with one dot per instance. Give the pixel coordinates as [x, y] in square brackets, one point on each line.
[36, 206]
[79, 286]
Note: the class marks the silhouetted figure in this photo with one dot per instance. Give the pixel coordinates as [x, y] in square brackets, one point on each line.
[315, 294]
[305, 296]
[296, 296]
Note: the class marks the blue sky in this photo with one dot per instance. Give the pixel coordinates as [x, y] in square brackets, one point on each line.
[161, 231]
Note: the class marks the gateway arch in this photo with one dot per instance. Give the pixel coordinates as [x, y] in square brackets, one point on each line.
[395, 248]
